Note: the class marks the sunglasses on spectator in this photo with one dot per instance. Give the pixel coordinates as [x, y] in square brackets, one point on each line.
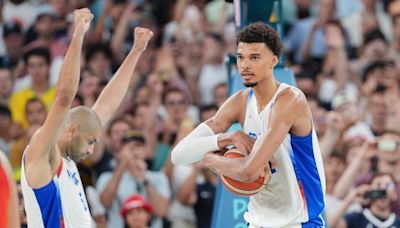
[175, 103]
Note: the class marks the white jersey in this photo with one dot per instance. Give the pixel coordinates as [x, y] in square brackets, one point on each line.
[294, 197]
[60, 203]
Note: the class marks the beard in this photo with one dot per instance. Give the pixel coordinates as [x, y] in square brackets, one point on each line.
[73, 151]
[250, 84]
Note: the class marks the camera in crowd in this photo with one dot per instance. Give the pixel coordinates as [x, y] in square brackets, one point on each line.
[375, 194]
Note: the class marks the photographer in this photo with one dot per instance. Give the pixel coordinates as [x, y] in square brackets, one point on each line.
[376, 197]
[132, 177]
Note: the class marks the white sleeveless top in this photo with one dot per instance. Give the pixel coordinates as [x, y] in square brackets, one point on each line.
[60, 203]
[296, 192]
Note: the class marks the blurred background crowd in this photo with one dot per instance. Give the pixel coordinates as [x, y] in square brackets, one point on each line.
[345, 56]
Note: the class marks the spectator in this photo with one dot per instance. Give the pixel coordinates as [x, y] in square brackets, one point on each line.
[36, 113]
[356, 23]
[22, 11]
[131, 176]
[5, 125]
[136, 212]
[13, 40]
[105, 155]
[99, 60]
[6, 85]
[310, 29]
[38, 62]
[378, 194]
[214, 70]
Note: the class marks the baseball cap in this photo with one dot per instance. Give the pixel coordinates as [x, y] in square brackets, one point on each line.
[135, 201]
[11, 27]
[133, 135]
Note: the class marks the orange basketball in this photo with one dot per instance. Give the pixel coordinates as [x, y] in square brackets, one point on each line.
[240, 188]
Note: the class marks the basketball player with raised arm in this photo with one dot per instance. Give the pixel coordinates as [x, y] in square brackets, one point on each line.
[278, 117]
[51, 186]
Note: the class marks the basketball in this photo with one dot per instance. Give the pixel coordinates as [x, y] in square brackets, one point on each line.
[241, 188]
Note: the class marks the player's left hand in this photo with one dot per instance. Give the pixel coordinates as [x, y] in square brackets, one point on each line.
[242, 141]
[142, 37]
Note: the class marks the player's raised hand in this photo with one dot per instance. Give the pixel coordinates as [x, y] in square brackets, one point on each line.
[82, 19]
[142, 37]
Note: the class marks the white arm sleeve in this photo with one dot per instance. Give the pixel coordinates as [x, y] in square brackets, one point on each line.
[195, 145]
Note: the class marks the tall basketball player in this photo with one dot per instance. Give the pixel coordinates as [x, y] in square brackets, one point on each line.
[51, 186]
[279, 119]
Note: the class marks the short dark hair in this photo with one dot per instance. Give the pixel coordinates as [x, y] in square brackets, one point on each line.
[117, 119]
[42, 52]
[261, 33]
[133, 110]
[173, 90]
[381, 174]
[32, 100]
[378, 64]
[216, 37]
[207, 107]
[95, 48]
[372, 35]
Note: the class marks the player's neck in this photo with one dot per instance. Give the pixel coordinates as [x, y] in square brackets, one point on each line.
[264, 91]
[62, 146]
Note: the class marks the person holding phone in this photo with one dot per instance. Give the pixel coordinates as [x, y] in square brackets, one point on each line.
[378, 194]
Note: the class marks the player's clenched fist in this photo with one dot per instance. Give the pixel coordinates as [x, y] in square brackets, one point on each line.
[142, 37]
[82, 19]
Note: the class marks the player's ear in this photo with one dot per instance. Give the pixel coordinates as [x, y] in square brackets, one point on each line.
[274, 61]
[73, 129]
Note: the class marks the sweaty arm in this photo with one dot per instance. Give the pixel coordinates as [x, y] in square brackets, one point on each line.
[39, 164]
[205, 137]
[283, 117]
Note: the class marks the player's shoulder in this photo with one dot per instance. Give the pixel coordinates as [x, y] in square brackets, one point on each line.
[239, 96]
[242, 94]
[291, 95]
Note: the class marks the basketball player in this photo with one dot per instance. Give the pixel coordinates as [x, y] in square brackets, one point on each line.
[51, 186]
[277, 116]
[9, 216]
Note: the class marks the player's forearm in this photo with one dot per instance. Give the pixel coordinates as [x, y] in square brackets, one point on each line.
[229, 167]
[68, 81]
[195, 146]
[109, 193]
[115, 91]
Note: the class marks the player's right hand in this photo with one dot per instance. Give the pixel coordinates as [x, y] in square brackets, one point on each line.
[142, 37]
[242, 141]
[82, 19]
